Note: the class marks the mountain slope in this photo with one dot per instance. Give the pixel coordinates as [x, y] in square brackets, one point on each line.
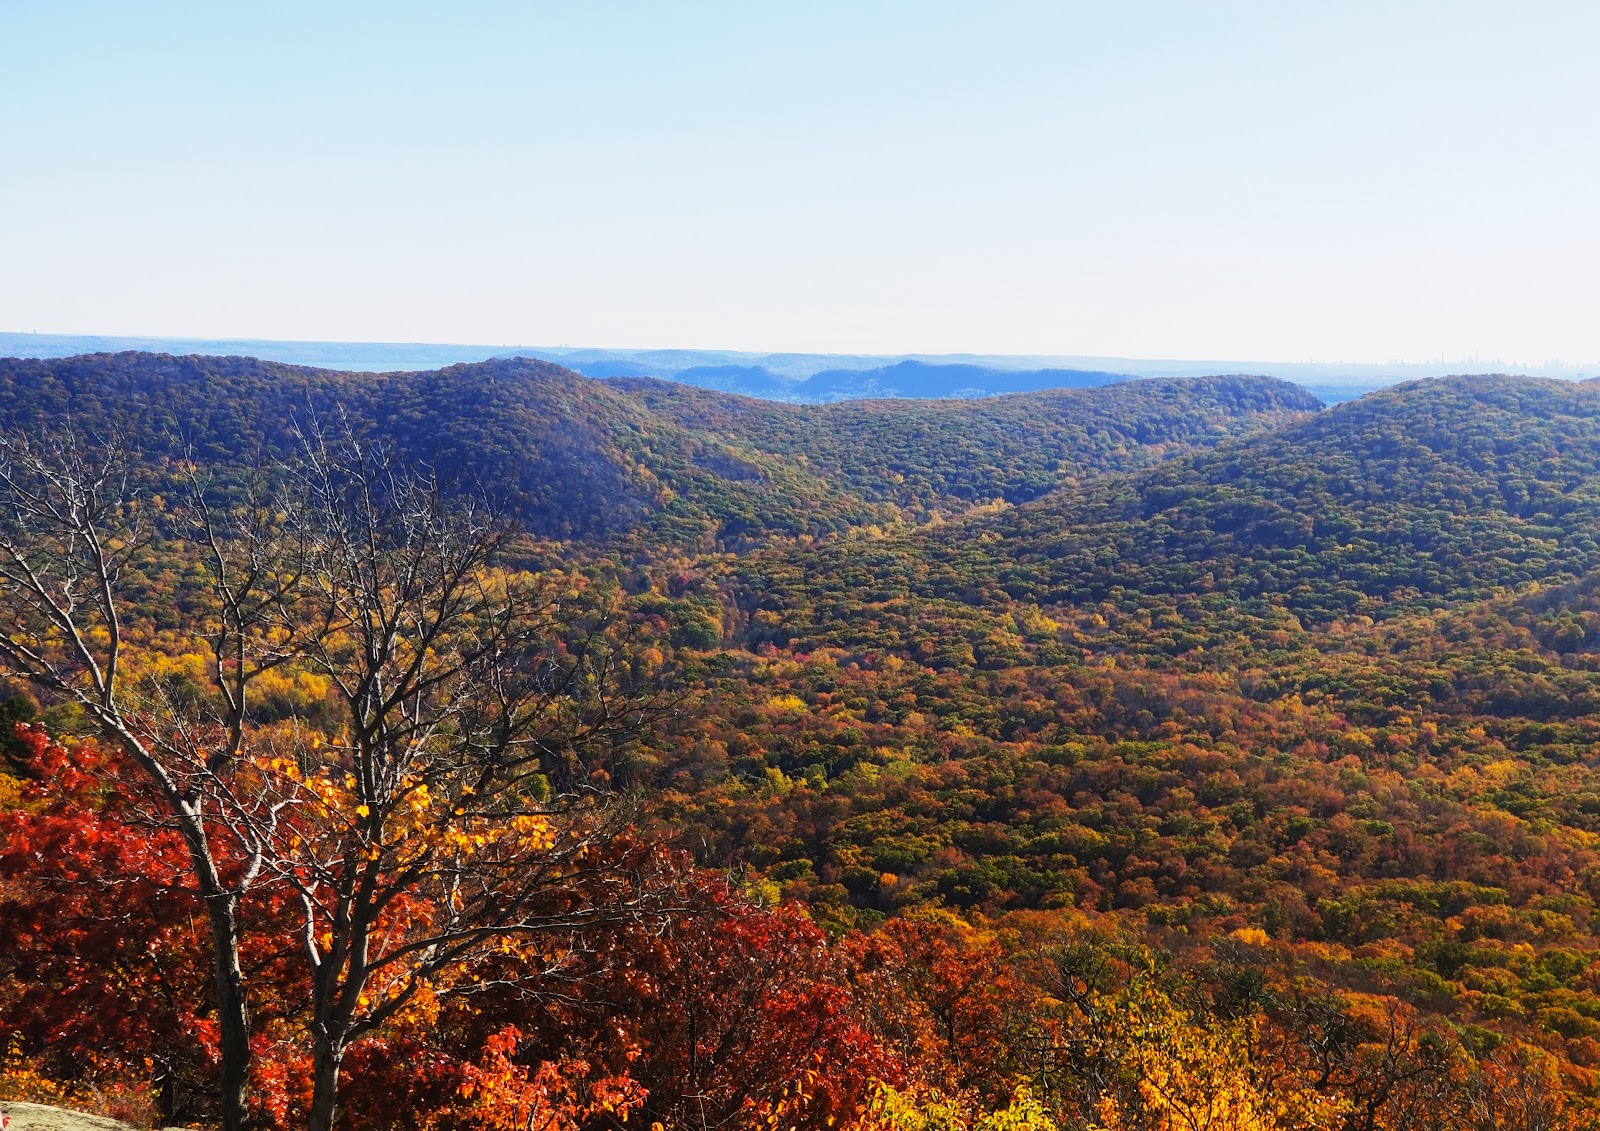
[1193, 727]
[944, 456]
[574, 457]
[599, 460]
[1438, 491]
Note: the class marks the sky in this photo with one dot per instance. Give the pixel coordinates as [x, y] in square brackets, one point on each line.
[1288, 181]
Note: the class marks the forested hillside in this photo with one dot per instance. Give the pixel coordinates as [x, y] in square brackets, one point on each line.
[1164, 755]
[1439, 490]
[1433, 490]
[929, 456]
[575, 457]
[596, 460]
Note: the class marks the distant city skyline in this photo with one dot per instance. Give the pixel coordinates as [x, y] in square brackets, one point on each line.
[1364, 184]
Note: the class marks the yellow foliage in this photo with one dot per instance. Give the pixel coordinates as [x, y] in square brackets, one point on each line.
[112, 1093]
[926, 1110]
[1195, 1076]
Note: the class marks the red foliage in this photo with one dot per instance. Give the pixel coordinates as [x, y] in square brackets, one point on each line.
[105, 962]
[723, 1012]
[940, 994]
[726, 1014]
[741, 1010]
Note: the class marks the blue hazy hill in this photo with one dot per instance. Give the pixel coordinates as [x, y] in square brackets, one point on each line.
[921, 379]
[905, 379]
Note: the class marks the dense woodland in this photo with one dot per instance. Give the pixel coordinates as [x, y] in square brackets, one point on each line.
[1168, 755]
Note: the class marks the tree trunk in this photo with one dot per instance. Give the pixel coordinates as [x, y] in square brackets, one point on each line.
[324, 1084]
[233, 1013]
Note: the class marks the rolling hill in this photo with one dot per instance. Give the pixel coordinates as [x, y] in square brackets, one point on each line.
[1442, 490]
[599, 460]
[1438, 490]
[926, 456]
[575, 457]
[1336, 682]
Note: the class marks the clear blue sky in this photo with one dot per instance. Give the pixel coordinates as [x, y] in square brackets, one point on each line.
[1287, 181]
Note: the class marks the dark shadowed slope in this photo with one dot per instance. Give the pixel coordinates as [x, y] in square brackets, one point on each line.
[574, 457]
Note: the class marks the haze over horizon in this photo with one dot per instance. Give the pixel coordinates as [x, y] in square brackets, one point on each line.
[781, 375]
[1371, 185]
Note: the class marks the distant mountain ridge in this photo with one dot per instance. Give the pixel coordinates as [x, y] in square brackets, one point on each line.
[777, 375]
[904, 379]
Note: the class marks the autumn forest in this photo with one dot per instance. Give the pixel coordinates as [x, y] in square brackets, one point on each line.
[496, 747]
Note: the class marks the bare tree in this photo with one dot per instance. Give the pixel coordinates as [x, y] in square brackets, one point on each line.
[1378, 1065]
[71, 522]
[435, 808]
[472, 700]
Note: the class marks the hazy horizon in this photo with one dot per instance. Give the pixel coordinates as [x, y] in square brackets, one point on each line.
[11, 337]
[667, 362]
